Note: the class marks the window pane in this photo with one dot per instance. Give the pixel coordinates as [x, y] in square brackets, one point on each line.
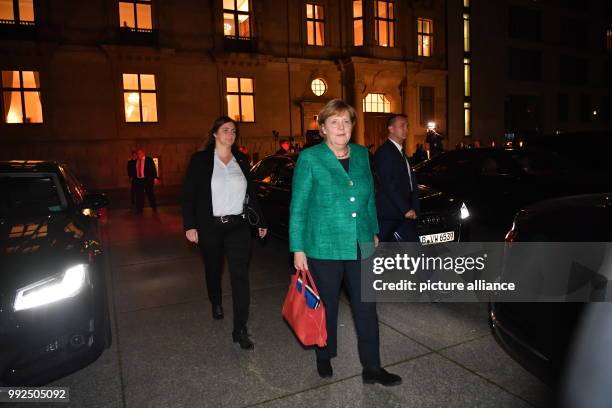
[126, 15]
[420, 44]
[248, 110]
[390, 14]
[130, 81]
[149, 107]
[228, 4]
[382, 9]
[466, 35]
[310, 33]
[26, 10]
[243, 5]
[12, 107]
[6, 10]
[319, 12]
[357, 8]
[132, 108]
[382, 34]
[468, 121]
[309, 11]
[320, 33]
[147, 82]
[30, 79]
[391, 36]
[33, 107]
[358, 32]
[231, 84]
[466, 79]
[426, 46]
[246, 85]
[228, 25]
[233, 107]
[244, 25]
[143, 13]
[10, 79]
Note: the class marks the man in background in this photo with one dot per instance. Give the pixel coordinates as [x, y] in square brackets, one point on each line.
[146, 179]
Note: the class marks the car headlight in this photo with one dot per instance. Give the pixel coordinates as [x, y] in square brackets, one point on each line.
[57, 287]
[464, 213]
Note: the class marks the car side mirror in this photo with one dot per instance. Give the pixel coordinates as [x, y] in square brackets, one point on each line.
[95, 201]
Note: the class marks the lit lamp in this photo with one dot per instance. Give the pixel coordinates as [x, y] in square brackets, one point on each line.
[431, 126]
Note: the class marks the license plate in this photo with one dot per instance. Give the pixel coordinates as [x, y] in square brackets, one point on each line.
[437, 238]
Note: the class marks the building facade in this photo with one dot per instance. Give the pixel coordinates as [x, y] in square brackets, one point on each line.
[539, 66]
[88, 82]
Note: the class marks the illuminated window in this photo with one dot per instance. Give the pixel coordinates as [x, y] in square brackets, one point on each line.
[467, 118]
[139, 98]
[384, 23]
[315, 24]
[135, 15]
[318, 86]
[240, 95]
[466, 32]
[376, 102]
[426, 96]
[17, 12]
[358, 22]
[237, 19]
[21, 97]
[609, 39]
[425, 37]
[466, 3]
[467, 76]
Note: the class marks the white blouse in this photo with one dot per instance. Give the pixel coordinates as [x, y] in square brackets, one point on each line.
[228, 187]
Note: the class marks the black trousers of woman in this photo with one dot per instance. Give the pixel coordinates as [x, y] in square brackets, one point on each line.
[329, 275]
[231, 240]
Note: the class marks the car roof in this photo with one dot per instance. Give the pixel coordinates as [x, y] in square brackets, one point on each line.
[29, 166]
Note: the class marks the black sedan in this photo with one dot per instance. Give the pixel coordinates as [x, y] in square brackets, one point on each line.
[498, 182]
[54, 315]
[442, 218]
[538, 335]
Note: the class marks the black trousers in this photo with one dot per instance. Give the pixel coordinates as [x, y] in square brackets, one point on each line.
[133, 192]
[145, 186]
[232, 241]
[329, 275]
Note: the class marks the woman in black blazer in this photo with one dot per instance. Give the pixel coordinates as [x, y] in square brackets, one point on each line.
[214, 192]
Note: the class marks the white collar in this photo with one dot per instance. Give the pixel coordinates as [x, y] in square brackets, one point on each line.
[399, 146]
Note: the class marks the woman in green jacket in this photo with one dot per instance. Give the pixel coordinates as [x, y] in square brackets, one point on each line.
[332, 212]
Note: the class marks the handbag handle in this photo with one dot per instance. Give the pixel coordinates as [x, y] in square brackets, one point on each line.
[305, 274]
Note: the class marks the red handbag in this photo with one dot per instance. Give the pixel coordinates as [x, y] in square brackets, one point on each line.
[304, 311]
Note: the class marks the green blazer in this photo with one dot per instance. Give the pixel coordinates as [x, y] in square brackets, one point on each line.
[331, 211]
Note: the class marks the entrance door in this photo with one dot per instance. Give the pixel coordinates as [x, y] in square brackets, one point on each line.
[375, 128]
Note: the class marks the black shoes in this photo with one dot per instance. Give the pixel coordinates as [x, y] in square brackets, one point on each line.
[324, 368]
[380, 376]
[242, 337]
[217, 312]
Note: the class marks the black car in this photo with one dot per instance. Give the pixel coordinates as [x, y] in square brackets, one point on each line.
[538, 335]
[498, 182]
[442, 217]
[54, 316]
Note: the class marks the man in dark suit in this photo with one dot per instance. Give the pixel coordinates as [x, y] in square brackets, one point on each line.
[397, 200]
[146, 179]
[131, 172]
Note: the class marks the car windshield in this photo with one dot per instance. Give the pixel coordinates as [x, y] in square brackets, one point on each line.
[541, 163]
[30, 194]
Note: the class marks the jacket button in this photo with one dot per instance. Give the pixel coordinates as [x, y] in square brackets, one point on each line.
[350, 183]
[354, 215]
[352, 199]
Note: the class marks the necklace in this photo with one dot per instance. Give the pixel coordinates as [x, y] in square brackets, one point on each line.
[345, 155]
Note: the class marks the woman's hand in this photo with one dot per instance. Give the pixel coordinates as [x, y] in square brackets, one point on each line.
[376, 241]
[263, 232]
[299, 261]
[192, 235]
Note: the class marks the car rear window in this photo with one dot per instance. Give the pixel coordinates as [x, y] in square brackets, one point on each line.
[30, 194]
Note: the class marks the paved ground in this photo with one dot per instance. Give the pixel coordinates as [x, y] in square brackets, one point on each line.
[168, 352]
